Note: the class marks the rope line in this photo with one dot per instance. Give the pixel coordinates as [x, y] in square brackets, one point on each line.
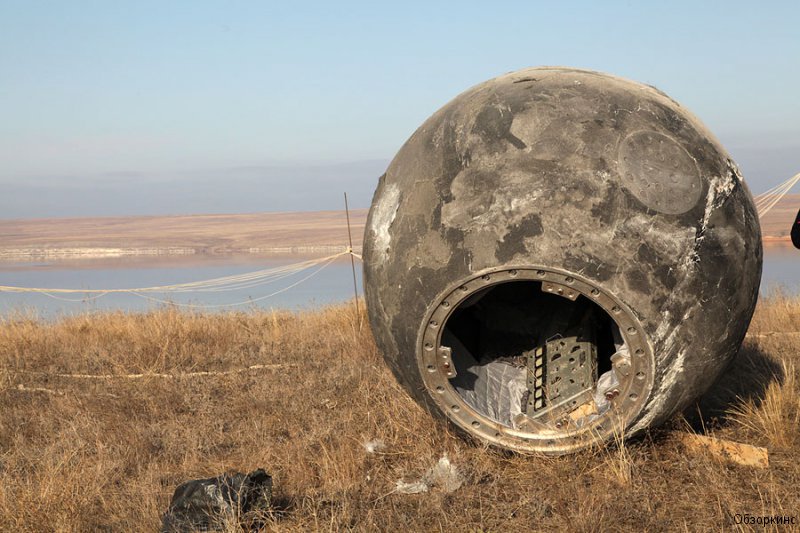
[248, 301]
[766, 201]
[235, 282]
[157, 374]
[224, 283]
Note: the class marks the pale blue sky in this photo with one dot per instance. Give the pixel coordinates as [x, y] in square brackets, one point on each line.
[246, 106]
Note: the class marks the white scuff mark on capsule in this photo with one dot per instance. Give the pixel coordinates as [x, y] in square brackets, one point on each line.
[660, 396]
[673, 373]
[719, 188]
[736, 174]
[383, 215]
[718, 191]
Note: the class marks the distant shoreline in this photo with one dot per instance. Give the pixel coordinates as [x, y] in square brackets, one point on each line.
[58, 254]
[301, 233]
[314, 233]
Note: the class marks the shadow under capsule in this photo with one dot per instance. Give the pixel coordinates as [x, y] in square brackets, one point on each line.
[746, 379]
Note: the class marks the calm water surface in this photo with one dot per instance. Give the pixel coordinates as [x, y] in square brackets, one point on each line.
[332, 284]
[781, 268]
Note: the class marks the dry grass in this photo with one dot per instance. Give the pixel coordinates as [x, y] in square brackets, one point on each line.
[105, 455]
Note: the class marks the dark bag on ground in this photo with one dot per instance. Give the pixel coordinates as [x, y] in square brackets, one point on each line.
[213, 504]
[796, 231]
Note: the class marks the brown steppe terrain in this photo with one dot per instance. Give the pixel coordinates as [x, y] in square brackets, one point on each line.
[211, 235]
[198, 234]
[105, 454]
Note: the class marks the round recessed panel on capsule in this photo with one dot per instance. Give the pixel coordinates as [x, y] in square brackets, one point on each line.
[659, 172]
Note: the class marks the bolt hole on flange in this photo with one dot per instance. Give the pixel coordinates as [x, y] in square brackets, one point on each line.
[532, 367]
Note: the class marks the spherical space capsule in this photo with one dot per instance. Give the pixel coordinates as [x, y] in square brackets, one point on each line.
[558, 256]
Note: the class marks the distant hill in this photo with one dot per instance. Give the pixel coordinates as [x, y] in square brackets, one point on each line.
[297, 232]
[312, 232]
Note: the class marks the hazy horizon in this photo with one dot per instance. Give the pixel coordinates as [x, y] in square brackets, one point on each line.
[241, 189]
[265, 188]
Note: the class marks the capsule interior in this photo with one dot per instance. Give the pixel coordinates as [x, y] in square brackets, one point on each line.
[533, 360]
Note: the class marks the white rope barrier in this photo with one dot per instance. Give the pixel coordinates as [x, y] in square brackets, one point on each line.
[144, 375]
[109, 377]
[235, 282]
[245, 302]
[766, 201]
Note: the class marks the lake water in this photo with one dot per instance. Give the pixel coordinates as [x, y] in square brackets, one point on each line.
[330, 285]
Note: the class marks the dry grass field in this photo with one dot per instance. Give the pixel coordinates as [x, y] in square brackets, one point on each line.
[85, 454]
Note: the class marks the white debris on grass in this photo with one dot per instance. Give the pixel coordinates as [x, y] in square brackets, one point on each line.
[374, 446]
[411, 488]
[443, 474]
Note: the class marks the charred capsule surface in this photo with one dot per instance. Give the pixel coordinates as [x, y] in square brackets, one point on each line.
[557, 255]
